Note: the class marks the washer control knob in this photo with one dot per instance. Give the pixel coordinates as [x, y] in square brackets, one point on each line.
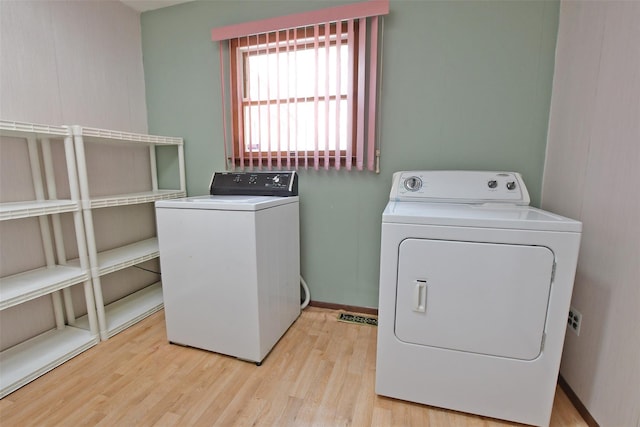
[276, 179]
[511, 185]
[413, 183]
[492, 184]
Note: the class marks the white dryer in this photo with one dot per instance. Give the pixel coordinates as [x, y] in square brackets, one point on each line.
[475, 288]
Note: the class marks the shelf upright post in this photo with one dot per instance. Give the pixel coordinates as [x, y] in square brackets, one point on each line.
[45, 231]
[89, 230]
[52, 192]
[36, 176]
[183, 185]
[74, 190]
[154, 169]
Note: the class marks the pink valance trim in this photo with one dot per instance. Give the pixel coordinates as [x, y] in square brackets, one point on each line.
[363, 9]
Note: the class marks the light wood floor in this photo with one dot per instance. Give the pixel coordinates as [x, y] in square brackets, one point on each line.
[321, 373]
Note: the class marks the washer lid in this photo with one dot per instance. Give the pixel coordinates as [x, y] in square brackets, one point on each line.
[485, 216]
[227, 203]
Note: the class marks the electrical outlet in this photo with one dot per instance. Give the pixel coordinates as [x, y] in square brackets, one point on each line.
[574, 320]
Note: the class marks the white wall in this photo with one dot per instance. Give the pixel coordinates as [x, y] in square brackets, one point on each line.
[592, 173]
[64, 63]
[77, 62]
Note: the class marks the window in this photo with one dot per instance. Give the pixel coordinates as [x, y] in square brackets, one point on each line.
[293, 96]
[302, 96]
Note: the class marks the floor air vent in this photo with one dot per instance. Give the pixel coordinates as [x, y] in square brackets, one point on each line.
[354, 318]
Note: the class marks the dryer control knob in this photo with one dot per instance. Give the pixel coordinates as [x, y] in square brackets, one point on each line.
[511, 185]
[492, 184]
[413, 183]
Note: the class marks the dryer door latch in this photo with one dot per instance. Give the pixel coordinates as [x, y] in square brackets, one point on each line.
[420, 296]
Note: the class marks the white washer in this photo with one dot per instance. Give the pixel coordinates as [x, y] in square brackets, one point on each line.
[231, 264]
[475, 288]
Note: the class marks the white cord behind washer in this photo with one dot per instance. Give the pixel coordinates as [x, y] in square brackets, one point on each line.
[307, 294]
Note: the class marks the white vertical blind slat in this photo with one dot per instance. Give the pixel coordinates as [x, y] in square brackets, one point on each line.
[350, 89]
[373, 85]
[295, 94]
[278, 144]
[248, 143]
[316, 37]
[259, 137]
[327, 91]
[338, 93]
[287, 79]
[362, 41]
[269, 56]
[224, 107]
[239, 147]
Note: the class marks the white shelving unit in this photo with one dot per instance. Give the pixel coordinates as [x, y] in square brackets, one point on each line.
[28, 360]
[122, 313]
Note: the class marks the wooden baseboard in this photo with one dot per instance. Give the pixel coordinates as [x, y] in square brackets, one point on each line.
[582, 410]
[352, 308]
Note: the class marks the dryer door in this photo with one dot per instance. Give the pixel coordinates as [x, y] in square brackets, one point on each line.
[484, 298]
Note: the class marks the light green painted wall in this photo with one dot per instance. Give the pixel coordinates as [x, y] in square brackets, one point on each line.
[466, 85]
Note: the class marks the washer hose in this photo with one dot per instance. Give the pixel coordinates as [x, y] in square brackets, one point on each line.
[307, 294]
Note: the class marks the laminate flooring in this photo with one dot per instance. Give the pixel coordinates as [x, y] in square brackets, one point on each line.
[321, 373]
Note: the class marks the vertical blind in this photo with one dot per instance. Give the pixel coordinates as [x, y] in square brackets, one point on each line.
[301, 90]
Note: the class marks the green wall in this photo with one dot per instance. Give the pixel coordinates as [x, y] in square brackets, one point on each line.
[466, 85]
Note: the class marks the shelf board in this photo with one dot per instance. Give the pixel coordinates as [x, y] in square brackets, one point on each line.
[23, 130]
[129, 310]
[132, 198]
[32, 358]
[116, 137]
[32, 208]
[127, 256]
[32, 284]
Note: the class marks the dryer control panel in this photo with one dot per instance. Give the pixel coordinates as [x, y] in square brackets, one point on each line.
[474, 187]
[281, 184]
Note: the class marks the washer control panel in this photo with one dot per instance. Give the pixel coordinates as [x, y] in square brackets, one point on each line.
[281, 184]
[459, 187]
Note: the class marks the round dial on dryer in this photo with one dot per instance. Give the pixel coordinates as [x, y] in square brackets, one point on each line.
[413, 183]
